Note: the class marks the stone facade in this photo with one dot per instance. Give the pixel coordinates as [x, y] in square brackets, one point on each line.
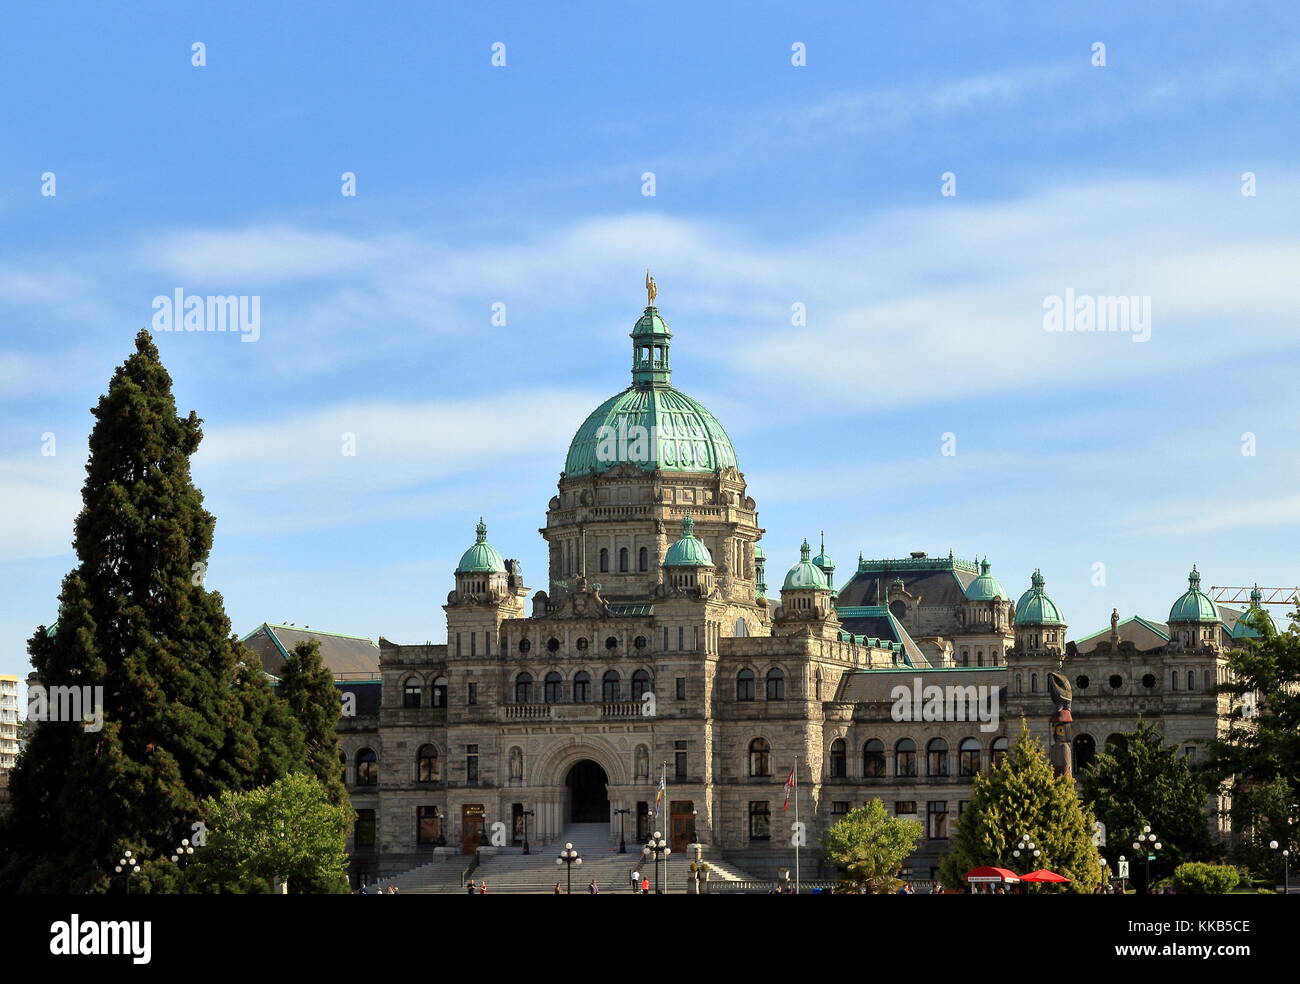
[628, 669]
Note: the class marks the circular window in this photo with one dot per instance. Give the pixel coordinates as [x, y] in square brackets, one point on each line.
[611, 643]
[1081, 682]
[1116, 681]
[525, 645]
[640, 642]
[552, 644]
[582, 643]
[1149, 680]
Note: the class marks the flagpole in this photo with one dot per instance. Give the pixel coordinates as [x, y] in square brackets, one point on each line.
[796, 825]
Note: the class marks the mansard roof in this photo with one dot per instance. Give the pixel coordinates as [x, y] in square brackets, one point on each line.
[347, 657]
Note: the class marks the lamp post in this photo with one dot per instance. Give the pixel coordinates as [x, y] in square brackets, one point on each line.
[622, 844]
[1148, 844]
[1025, 850]
[128, 864]
[658, 847]
[1123, 879]
[569, 857]
[526, 814]
[182, 851]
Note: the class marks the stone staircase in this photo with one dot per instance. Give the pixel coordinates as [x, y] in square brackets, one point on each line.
[512, 871]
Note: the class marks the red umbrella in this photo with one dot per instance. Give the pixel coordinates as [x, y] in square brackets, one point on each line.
[988, 874]
[1043, 875]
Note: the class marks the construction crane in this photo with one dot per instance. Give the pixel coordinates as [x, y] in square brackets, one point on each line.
[1242, 596]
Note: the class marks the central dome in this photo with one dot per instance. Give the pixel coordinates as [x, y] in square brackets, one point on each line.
[650, 424]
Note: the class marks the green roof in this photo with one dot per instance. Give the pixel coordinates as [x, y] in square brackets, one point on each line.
[1035, 607]
[986, 587]
[482, 557]
[1194, 605]
[650, 424]
[805, 575]
[689, 551]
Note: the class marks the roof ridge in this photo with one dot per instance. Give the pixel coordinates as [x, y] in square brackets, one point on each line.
[304, 628]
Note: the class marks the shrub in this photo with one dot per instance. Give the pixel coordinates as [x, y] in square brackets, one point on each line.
[1199, 878]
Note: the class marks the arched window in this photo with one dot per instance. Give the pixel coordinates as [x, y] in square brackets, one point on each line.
[427, 766]
[1033, 683]
[999, 750]
[936, 757]
[1173, 680]
[1191, 680]
[640, 684]
[839, 759]
[1208, 680]
[367, 768]
[642, 560]
[1020, 684]
[775, 684]
[552, 688]
[582, 686]
[873, 759]
[525, 645]
[622, 560]
[905, 757]
[965, 657]
[440, 692]
[642, 762]
[968, 757]
[1117, 741]
[745, 685]
[516, 764]
[610, 686]
[552, 645]
[760, 757]
[741, 631]
[604, 561]
[1085, 750]
[611, 643]
[411, 692]
[523, 688]
[343, 767]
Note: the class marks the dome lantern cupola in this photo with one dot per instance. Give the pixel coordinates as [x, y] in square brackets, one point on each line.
[1039, 623]
[482, 557]
[824, 564]
[986, 587]
[688, 563]
[1194, 617]
[650, 341]
[805, 575]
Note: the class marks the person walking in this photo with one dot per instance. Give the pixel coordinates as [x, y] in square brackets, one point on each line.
[557, 889]
[593, 888]
[482, 887]
[645, 886]
[636, 882]
[472, 888]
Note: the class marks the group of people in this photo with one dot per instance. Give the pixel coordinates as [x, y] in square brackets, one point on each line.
[640, 886]
[479, 888]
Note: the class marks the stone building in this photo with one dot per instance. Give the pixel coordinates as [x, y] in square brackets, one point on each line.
[653, 654]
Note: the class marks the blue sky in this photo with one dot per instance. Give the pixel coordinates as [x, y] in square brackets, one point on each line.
[775, 185]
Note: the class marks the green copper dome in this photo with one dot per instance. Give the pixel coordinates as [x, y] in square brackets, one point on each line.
[1194, 605]
[805, 575]
[823, 559]
[986, 587]
[481, 558]
[689, 551]
[650, 424]
[1245, 627]
[1035, 607]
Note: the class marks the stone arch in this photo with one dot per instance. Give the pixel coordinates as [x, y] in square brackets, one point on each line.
[553, 765]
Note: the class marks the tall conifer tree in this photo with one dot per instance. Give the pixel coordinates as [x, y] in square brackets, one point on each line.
[136, 619]
[308, 688]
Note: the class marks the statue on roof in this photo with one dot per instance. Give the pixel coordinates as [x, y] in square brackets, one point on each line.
[651, 289]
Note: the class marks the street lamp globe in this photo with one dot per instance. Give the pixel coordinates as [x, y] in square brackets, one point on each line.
[1273, 845]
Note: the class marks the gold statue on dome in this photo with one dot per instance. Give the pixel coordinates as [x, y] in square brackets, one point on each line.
[651, 289]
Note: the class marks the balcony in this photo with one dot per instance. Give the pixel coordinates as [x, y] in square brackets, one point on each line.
[574, 711]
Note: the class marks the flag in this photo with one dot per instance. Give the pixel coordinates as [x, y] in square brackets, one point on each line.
[789, 788]
[659, 794]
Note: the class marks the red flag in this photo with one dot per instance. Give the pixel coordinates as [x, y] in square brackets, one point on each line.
[789, 788]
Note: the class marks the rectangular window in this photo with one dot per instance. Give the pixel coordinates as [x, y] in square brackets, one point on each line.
[679, 759]
[471, 694]
[839, 808]
[426, 825]
[905, 808]
[473, 643]
[363, 834]
[681, 688]
[457, 643]
[681, 637]
[760, 821]
[471, 763]
[937, 819]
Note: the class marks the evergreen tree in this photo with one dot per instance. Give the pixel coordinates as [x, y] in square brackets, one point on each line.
[1143, 781]
[135, 619]
[307, 687]
[1023, 795]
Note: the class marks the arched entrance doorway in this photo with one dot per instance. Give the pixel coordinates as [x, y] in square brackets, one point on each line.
[588, 796]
